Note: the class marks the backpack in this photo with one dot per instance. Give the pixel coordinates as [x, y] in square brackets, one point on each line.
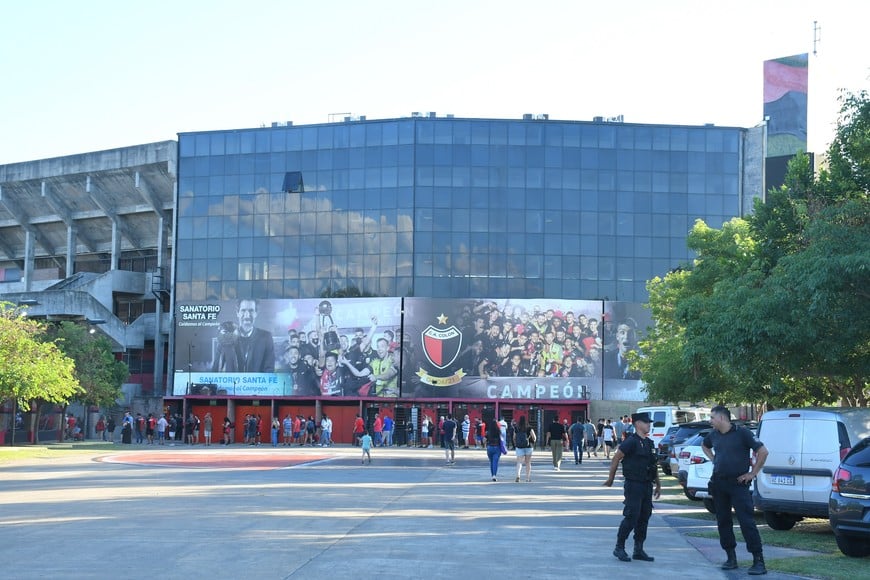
[522, 440]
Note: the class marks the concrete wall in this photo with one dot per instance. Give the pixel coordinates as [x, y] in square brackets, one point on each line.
[753, 168]
[613, 409]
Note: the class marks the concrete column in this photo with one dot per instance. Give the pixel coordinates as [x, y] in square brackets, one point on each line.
[116, 244]
[159, 345]
[70, 251]
[29, 252]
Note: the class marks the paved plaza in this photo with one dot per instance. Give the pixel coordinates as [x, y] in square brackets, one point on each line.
[263, 512]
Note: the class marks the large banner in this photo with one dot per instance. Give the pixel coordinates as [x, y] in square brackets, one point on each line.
[625, 323]
[786, 83]
[306, 348]
[503, 349]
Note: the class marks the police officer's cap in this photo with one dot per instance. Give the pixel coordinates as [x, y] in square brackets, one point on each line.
[641, 417]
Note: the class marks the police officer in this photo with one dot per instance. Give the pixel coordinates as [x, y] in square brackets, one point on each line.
[730, 485]
[638, 457]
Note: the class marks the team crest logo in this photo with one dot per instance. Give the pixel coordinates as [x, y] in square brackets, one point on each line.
[441, 345]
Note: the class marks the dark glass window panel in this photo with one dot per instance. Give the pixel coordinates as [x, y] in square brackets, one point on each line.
[534, 156]
[571, 158]
[607, 136]
[643, 138]
[406, 132]
[357, 135]
[262, 141]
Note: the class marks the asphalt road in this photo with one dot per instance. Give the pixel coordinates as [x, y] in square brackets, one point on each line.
[245, 512]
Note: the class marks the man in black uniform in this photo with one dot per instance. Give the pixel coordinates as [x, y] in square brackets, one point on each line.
[730, 485]
[639, 467]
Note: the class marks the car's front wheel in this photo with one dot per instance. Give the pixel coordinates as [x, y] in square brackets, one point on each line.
[778, 521]
[852, 546]
[709, 505]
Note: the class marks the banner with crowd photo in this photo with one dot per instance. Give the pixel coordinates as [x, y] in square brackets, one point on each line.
[540, 349]
[300, 348]
[625, 323]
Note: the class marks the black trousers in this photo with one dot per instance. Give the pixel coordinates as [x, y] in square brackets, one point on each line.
[728, 494]
[637, 511]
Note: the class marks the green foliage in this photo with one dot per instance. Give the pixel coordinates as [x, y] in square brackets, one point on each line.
[32, 368]
[96, 368]
[775, 308]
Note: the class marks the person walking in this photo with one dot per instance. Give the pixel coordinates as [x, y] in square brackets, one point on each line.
[110, 429]
[276, 428]
[449, 427]
[466, 428]
[326, 431]
[389, 424]
[207, 425]
[638, 457]
[728, 446]
[589, 430]
[359, 427]
[162, 425]
[493, 447]
[555, 439]
[366, 443]
[578, 440]
[524, 445]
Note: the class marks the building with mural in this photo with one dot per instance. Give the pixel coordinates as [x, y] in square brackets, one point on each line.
[412, 266]
[485, 267]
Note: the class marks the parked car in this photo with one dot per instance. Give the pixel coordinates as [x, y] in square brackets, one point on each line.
[680, 436]
[699, 470]
[805, 449]
[665, 417]
[691, 454]
[849, 505]
[663, 450]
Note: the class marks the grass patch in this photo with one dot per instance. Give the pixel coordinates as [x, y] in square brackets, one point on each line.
[811, 534]
[12, 454]
[828, 566]
[672, 493]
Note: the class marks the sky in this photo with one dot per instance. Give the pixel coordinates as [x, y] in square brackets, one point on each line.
[89, 75]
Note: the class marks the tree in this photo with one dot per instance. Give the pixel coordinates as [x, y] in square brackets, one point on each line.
[774, 308]
[98, 372]
[32, 368]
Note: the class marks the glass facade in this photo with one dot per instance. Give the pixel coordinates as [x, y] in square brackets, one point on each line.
[447, 208]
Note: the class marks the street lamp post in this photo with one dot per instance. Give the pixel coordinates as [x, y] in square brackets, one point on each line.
[14, 419]
[190, 348]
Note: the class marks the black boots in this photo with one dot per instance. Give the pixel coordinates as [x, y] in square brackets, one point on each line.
[619, 552]
[757, 568]
[731, 562]
[639, 554]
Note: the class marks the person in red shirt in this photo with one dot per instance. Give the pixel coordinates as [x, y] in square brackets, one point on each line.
[379, 430]
[358, 429]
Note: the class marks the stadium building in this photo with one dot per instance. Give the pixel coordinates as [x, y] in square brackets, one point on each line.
[421, 265]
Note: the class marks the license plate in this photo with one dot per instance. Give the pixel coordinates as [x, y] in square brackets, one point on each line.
[782, 479]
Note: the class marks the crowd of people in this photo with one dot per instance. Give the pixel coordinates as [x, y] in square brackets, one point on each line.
[543, 342]
[330, 362]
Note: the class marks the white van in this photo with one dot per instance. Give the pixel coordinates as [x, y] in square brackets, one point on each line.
[665, 417]
[805, 448]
